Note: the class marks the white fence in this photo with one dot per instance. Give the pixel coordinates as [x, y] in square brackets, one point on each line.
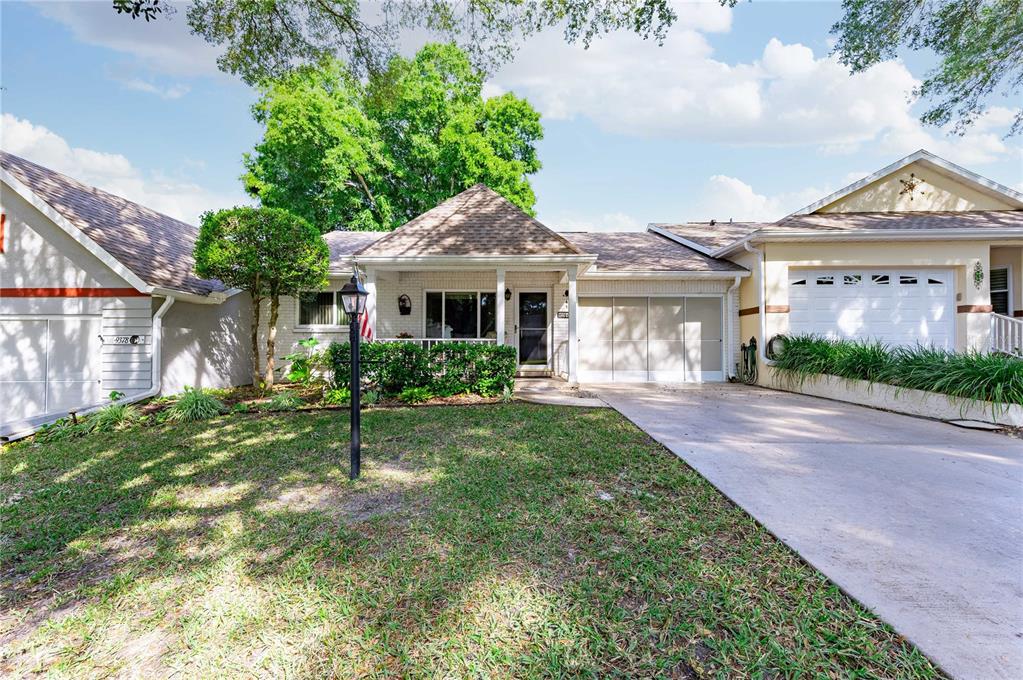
[1007, 335]
[430, 342]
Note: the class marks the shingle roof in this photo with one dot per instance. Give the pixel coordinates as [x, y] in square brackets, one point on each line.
[343, 244]
[476, 222]
[973, 219]
[157, 248]
[645, 251]
[712, 236]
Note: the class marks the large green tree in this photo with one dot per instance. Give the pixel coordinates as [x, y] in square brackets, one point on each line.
[354, 154]
[266, 252]
[267, 38]
[978, 43]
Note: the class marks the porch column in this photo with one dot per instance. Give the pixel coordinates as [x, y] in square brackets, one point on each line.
[371, 302]
[500, 306]
[573, 327]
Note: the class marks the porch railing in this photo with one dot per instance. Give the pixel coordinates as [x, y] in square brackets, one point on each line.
[430, 342]
[1006, 335]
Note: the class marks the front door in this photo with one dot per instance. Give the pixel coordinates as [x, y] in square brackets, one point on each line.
[533, 320]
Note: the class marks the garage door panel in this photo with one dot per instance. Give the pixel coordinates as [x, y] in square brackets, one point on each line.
[22, 349]
[595, 338]
[898, 307]
[68, 394]
[21, 400]
[74, 347]
[630, 319]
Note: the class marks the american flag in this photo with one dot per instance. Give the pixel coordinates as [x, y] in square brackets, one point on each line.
[365, 327]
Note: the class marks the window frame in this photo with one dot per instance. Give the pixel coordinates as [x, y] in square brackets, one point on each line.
[1007, 290]
[443, 310]
[338, 314]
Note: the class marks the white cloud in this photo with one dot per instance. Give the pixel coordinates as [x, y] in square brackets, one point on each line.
[164, 92]
[165, 45]
[725, 198]
[111, 172]
[787, 97]
[615, 221]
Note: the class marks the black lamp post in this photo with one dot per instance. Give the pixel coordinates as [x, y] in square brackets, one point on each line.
[353, 298]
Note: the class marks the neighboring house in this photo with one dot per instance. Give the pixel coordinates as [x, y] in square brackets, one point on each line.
[920, 252]
[87, 279]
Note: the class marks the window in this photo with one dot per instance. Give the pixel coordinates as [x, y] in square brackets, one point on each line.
[880, 279]
[907, 280]
[935, 282]
[798, 282]
[1000, 290]
[461, 314]
[320, 309]
[825, 280]
[852, 279]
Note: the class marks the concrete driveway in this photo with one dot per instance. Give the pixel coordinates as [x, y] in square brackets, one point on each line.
[920, 521]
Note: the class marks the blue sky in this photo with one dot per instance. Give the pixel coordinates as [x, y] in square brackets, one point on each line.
[740, 114]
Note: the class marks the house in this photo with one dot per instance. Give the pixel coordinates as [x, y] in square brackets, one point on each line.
[97, 294]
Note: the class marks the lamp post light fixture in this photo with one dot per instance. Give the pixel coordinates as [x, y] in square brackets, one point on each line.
[353, 298]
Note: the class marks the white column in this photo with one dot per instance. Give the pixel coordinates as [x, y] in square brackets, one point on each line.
[573, 327]
[371, 302]
[500, 306]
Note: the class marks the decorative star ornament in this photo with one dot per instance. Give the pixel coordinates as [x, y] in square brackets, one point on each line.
[909, 186]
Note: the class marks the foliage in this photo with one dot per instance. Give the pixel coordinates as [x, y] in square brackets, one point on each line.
[305, 362]
[978, 44]
[114, 417]
[967, 375]
[195, 404]
[261, 39]
[241, 407]
[63, 429]
[337, 396]
[354, 155]
[415, 395]
[283, 401]
[115, 395]
[445, 368]
[266, 252]
[221, 538]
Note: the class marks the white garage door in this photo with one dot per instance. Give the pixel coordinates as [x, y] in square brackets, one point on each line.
[897, 307]
[48, 366]
[658, 339]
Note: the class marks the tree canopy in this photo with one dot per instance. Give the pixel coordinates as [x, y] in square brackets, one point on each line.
[371, 154]
[979, 45]
[266, 252]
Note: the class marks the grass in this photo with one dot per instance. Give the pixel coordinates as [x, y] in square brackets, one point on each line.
[966, 375]
[491, 541]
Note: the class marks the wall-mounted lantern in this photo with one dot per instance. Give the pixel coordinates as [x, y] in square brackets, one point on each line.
[404, 305]
[507, 293]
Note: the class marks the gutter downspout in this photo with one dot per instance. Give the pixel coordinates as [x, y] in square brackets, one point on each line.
[761, 299]
[733, 320]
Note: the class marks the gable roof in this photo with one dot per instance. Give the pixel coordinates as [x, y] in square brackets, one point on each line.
[910, 221]
[153, 246]
[936, 163]
[645, 251]
[706, 237]
[478, 222]
[344, 244]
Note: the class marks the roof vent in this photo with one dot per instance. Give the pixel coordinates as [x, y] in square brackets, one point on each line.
[713, 222]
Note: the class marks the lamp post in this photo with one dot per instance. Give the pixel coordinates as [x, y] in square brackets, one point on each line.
[353, 298]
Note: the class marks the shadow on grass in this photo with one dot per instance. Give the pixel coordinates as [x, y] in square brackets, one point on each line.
[513, 539]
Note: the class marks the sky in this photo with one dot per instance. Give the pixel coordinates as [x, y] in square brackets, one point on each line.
[741, 114]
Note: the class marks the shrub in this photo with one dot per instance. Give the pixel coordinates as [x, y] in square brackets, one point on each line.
[62, 429]
[283, 401]
[415, 395]
[337, 396]
[241, 407]
[304, 362]
[114, 417]
[195, 404]
[967, 375]
[446, 368]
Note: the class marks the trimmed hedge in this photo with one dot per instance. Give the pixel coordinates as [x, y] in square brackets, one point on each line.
[967, 375]
[446, 368]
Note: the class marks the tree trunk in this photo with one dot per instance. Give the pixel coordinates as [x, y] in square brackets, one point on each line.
[256, 302]
[271, 341]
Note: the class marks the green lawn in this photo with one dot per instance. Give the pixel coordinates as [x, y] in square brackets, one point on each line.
[502, 540]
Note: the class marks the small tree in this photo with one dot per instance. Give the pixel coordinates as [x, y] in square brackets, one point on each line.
[267, 252]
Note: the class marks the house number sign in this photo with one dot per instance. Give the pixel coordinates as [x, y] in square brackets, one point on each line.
[123, 339]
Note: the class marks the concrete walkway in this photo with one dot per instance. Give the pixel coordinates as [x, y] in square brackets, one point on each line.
[920, 521]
